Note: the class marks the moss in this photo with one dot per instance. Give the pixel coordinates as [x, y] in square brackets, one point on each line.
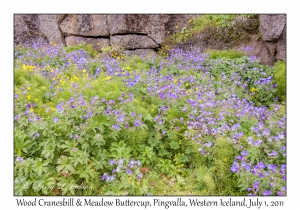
[280, 80]
[231, 54]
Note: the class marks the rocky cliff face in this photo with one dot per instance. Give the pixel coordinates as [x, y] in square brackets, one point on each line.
[272, 46]
[135, 33]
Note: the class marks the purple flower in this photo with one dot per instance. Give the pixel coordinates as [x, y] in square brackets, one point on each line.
[60, 108]
[257, 143]
[234, 167]
[110, 178]
[267, 192]
[260, 165]
[116, 127]
[128, 171]
[55, 119]
[246, 166]
[121, 119]
[19, 159]
[244, 153]
[131, 163]
[140, 176]
[121, 161]
[255, 185]
[279, 193]
[249, 140]
[272, 167]
[137, 123]
[112, 162]
[138, 163]
[282, 169]
[37, 134]
[273, 153]
[208, 144]
[104, 176]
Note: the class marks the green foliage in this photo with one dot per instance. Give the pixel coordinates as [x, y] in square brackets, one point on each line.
[138, 126]
[230, 54]
[204, 179]
[212, 20]
[257, 78]
[224, 153]
[166, 167]
[82, 46]
[216, 31]
[280, 79]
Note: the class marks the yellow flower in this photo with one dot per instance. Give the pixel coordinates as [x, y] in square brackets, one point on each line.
[43, 87]
[199, 101]
[196, 88]
[28, 97]
[31, 110]
[28, 88]
[53, 109]
[84, 71]
[225, 159]
[36, 99]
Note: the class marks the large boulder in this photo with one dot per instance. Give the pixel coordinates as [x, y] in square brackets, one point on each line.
[271, 26]
[281, 46]
[85, 25]
[259, 49]
[37, 27]
[48, 25]
[26, 28]
[156, 26]
[97, 43]
[132, 41]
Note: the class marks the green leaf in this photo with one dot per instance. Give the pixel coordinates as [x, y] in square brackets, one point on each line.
[64, 164]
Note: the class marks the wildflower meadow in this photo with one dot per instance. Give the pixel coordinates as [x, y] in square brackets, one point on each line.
[186, 123]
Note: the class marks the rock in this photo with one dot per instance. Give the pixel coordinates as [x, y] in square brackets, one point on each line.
[85, 25]
[97, 43]
[272, 46]
[158, 27]
[48, 25]
[26, 28]
[271, 26]
[266, 57]
[37, 27]
[140, 52]
[260, 50]
[281, 46]
[132, 41]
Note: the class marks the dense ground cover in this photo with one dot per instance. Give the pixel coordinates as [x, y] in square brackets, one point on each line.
[186, 124]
